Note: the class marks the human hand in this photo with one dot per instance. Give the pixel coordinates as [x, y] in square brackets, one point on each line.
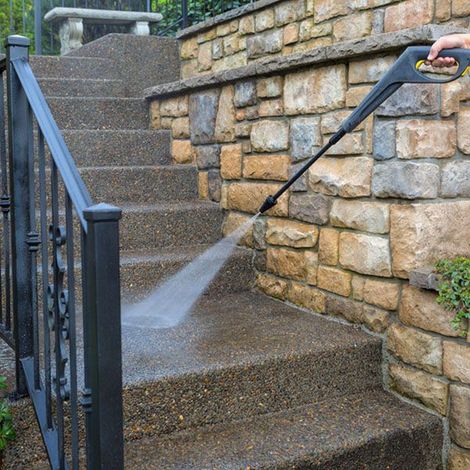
[447, 42]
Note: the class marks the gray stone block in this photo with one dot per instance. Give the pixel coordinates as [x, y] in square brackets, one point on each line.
[266, 43]
[245, 94]
[208, 156]
[456, 179]
[202, 114]
[313, 208]
[406, 180]
[305, 137]
[259, 230]
[215, 184]
[301, 184]
[411, 98]
[384, 139]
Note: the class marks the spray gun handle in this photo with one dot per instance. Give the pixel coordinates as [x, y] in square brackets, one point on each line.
[404, 70]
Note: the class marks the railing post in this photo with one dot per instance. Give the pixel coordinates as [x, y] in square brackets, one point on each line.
[38, 27]
[20, 157]
[184, 12]
[102, 334]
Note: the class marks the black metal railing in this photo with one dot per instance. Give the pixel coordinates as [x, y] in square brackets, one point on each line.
[26, 17]
[60, 287]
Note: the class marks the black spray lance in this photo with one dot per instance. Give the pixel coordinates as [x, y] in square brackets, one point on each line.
[404, 70]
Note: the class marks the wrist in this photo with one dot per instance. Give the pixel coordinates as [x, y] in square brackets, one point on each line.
[466, 41]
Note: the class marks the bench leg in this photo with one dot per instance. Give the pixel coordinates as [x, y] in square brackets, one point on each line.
[71, 35]
[141, 28]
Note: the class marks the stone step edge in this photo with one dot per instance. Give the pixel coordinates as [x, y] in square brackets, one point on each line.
[324, 55]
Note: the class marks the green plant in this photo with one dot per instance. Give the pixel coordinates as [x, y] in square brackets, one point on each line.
[7, 433]
[454, 291]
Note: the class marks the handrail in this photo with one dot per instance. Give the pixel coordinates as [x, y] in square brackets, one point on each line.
[60, 153]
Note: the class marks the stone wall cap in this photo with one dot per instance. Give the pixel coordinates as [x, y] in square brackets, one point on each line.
[101, 16]
[356, 48]
[224, 17]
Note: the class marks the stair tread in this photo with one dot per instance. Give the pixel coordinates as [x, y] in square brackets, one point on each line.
[373, 430]
[170, 206]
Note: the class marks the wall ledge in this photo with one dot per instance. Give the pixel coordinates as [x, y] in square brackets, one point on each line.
[358, 48]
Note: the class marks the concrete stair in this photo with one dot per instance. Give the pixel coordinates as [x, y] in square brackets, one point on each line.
[246, 382]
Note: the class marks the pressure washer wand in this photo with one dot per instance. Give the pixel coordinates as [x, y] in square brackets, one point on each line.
[404, 70]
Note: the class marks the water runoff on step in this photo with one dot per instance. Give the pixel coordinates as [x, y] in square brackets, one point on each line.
[170, 303]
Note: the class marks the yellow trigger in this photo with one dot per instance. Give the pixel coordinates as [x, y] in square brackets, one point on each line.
[419, 63]
[465, 71]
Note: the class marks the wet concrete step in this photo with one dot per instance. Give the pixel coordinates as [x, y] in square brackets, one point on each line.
[99, 113]
[370, 430]
[238, 356]
[78, 87]
[119, 147]
[74, 67]
[141, 184]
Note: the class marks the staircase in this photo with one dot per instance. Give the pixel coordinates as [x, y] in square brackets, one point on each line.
[246, 382]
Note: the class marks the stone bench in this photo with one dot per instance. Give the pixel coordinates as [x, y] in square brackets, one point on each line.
[71, 23]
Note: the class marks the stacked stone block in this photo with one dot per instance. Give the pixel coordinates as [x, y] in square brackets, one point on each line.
[285, 27]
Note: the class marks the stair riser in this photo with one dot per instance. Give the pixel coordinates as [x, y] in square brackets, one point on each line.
[113, 148]
[76, 113]
[68, 67]
[243, 392]
[82, 88]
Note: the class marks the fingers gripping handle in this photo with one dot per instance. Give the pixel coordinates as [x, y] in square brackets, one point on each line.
[404, 70]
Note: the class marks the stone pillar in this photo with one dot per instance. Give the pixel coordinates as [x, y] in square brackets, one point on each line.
[71, 35]
[141, 28]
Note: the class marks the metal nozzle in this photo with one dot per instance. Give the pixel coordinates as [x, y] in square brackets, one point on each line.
[267, 204]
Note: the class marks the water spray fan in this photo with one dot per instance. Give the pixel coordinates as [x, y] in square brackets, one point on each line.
[405, 70]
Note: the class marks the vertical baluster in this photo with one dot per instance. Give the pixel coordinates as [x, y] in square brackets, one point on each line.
[46, 295]
[3, 157]
[38, 26]
[12, 26]
[72, 329]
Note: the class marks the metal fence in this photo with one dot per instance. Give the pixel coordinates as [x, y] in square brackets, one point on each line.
[26, 17]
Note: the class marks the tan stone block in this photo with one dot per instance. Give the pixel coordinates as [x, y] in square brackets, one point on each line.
[421, 234]
[291, 233]
[334, 280]
[207, 35]
[460, 8]
[326, 9]
[360, 215]
[189, 68]
[307, 297]
[271, 108]
[269, 87]
[365, 254]
[246, 147]
[375, 318]
[350, 144]
[203, 185]
[291, 33]
[270, 136]
[381, 293]
[247, 25]
[155, 122]
[357, 285]
[204, 57]
[356, 94]
[231, 161]
[288, 12]
[463, 130]
[415, 347]
[234, 221]
[272, 286]
[328, 246]
[233, 25]
[459, 459]
[224, 196]
[225, 121]
[427, 389]
[343, 307]
[443, 10]
[369, 70]
[182, 151]
[346, 177]
[311, 267]
[175, 107]
[408, 14]
[166, 122]
[248, 197]
[419, 308]
[180, 128]
[243, 129]
[249, 113]
[189, 49]
[452, 94]
[231, 44]
[419, 138]
[308, 29]
[331, 122]
[267, 167]
[353, 26]
[264, 20]
[286, 263]
[456, 363]
[459, 415]
[316, 90]
[223, 29]
[312, 44]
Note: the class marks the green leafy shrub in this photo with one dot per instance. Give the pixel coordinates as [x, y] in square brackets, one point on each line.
[7, 433]
[454, 291]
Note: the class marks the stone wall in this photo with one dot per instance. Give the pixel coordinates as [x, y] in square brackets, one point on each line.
[391, 197]
[274, 27]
